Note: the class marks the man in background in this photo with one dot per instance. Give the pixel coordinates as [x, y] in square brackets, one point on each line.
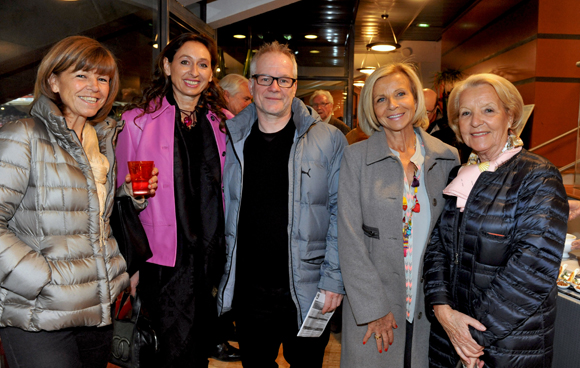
[323, 104]
[237, 95]
[439, 128]
[236, 92]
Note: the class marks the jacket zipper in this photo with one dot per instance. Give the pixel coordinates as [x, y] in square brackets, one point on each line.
[237, 223]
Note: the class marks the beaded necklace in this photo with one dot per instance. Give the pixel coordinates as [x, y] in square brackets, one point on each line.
[410, 197]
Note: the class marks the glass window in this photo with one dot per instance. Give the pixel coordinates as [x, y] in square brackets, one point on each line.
[127, 28]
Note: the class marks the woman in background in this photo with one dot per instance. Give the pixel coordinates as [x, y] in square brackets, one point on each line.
[179, 124]
[389, 198]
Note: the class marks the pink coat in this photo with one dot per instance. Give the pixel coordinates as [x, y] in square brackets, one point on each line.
[150, 138]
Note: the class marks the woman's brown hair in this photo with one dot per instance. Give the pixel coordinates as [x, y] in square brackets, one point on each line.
[80, 53]
[161, 83]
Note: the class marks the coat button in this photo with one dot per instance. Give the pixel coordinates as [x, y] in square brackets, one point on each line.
[434, 202]
[421, 280]
[223, 153]
[420, 315]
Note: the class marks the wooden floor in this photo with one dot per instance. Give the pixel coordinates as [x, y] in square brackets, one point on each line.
[331, 356]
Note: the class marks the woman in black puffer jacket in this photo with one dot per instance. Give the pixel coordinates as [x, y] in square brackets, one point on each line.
[491, 266]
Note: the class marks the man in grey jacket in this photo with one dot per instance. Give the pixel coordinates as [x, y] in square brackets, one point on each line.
[281, 238]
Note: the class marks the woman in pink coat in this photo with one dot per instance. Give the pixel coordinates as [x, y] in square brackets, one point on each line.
[179, 124]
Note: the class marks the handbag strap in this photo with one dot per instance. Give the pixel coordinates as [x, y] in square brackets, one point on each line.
[123, 301]
[135, 303]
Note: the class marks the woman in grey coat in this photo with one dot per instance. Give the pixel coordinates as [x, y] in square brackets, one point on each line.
[389, 198]
[60, 268]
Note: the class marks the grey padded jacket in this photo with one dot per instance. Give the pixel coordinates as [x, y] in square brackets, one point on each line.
[313, 169]
[56, 271]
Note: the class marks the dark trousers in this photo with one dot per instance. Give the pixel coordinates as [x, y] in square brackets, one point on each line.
[78, 347]
[408, 343]
[261, 332]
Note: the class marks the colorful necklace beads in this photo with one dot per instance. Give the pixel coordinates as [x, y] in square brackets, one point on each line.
[408, 215]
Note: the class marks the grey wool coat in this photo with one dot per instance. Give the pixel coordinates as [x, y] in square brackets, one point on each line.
[55, 269]
[370, 244]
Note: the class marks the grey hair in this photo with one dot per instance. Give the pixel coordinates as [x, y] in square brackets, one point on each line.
[274, 47]
[232, 83]
[321, 92]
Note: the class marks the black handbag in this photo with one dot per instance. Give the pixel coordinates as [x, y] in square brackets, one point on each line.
[134, 340]
[130, 235]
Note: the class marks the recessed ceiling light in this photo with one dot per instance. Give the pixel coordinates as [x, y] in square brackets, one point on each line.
[423, 25]
[311, 37]
[359, 83]
[155, 46]
[240, 36]
[288, 37]
[314, 52]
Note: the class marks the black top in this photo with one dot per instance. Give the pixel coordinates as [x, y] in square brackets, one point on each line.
[262, 254]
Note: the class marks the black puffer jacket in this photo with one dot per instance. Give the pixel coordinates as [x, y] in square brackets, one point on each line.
[498, 263]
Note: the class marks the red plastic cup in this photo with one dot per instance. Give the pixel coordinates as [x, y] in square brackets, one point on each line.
[141, 172]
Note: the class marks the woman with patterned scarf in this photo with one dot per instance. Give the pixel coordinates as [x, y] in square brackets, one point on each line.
[491, 265]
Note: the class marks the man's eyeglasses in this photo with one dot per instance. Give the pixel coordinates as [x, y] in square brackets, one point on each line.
[434, 110]
[322, 104]
[267, 80]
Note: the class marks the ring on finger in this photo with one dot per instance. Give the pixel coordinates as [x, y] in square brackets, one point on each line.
[377, 337]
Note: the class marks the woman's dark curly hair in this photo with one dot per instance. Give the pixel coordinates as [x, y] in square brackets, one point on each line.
[161, 84]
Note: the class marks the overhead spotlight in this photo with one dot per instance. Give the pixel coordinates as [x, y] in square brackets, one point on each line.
[311, 37]
[288, 37]
[314, 52]
[240, 36]
[423, 25]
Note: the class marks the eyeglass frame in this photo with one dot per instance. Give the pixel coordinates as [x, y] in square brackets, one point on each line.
[322, 104]
[435, 110]
[255, 76]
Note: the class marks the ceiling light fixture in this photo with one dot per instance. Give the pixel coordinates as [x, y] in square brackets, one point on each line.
[314, 52]
[240, 36]
[423, 25]
[368, 69]
[359, 84]
[385, 46]
[311, 37]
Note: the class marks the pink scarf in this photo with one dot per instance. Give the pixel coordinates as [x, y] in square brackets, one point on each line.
[461, 186]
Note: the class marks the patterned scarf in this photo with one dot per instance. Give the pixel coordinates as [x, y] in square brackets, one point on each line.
[461, 186]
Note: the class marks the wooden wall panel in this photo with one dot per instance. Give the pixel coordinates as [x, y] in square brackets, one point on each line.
[557, 58]
[528, 92]
[510, 30]
[480, 15]
[559, 16]
[560, 153]
[556, 110]
[515, 65]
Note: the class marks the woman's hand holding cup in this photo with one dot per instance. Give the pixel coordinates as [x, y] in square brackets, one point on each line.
[142, 177]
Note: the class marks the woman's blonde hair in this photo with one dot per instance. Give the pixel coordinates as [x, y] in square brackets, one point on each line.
[81, 53]
[367, 118]
[508, 95]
